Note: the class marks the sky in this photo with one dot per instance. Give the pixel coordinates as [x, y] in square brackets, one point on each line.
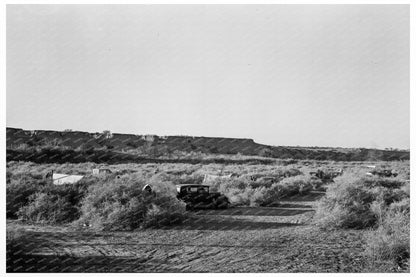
[308, 75]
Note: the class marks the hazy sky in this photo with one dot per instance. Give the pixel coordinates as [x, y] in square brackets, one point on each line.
[310, 75]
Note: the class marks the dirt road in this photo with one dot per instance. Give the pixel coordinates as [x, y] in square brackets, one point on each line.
[240, 239]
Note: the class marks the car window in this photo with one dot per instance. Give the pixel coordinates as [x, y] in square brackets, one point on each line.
[193, 189]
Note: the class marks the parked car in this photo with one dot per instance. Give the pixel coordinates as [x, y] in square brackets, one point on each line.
[326, 176]
[199, 197]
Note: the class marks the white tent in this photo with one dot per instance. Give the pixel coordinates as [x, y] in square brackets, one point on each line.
[60, 179]
[212, 177]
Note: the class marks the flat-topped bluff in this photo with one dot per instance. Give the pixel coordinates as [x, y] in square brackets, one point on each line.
[120, 142]
[155, 146]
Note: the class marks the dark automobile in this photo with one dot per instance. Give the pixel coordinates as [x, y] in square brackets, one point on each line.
[326, 176]
[199, 197]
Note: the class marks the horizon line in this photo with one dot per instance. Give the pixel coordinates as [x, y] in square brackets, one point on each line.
[291, 146]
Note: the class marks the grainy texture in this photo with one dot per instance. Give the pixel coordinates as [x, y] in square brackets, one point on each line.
[241, 239]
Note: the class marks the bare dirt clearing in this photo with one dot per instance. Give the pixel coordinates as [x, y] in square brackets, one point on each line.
[239, 239]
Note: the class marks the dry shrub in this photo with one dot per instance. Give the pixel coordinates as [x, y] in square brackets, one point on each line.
[164, 213]
[48, 208]
[240, 197]
[296, 185]
[54, 204]
[240, 192]
[122, 205]
[237, 190]
[290, 172]
[356, 202]
[380, 203]
[229, 186]
[160, 177]
[21, 186]
[389, 244]
[33, 199]
[264, 182]
[269, 197]
[19, 189]
[346, 205]
[316, 183]
[390, 183]
[257, 197]
[193, 178]
[406, 189]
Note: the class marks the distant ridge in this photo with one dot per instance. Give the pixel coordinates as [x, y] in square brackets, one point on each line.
[19, 142]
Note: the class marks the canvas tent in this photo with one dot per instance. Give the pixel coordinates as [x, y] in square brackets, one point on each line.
[60, 179]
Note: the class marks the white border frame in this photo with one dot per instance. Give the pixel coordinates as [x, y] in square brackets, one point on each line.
[3, 114]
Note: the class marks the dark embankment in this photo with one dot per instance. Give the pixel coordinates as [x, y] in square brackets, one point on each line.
[74, 146]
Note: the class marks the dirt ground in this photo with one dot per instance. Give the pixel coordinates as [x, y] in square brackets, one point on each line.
[239, 239]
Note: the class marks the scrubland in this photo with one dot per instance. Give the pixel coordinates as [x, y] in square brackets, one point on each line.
[281, 219]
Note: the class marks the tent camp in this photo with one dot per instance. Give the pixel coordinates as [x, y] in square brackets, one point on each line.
[60, 179]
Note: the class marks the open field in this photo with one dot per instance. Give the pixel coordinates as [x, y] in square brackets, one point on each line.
[253, 237]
